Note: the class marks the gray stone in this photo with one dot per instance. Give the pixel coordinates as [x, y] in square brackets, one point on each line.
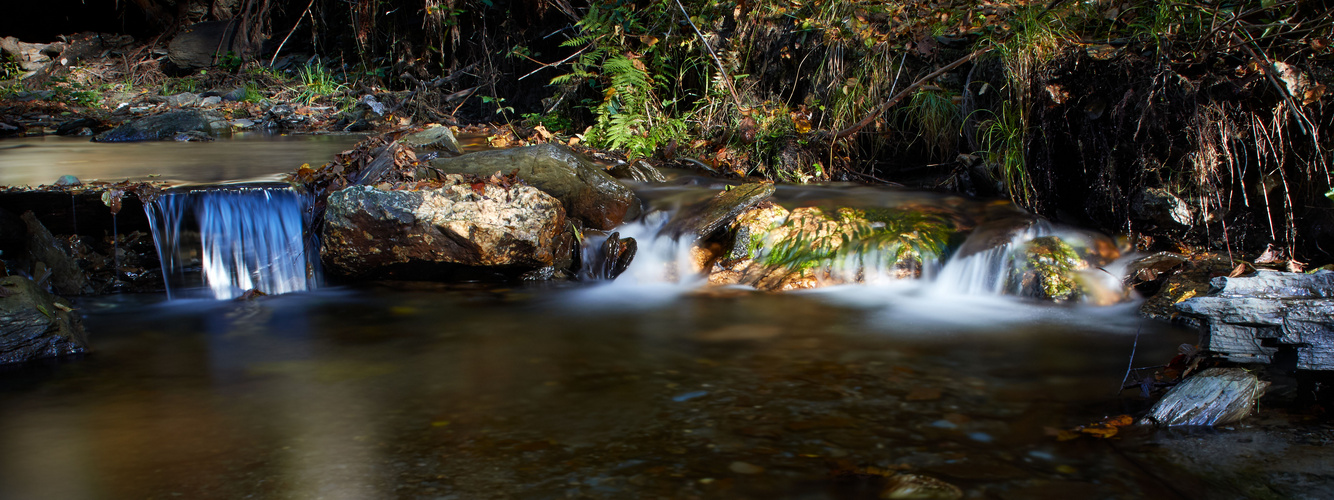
[35, 324]
[243, 124]
[369, 232]
[163, 127]
[588, 193]
[1216, 396]
[433, 138]
[182, 99]
[1258, 319]
[211, 101]
[1162, 208]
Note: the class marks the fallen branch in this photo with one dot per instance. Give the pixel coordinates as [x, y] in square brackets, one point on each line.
[856, 127]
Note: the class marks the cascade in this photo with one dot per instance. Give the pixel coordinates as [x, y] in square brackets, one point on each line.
[984, 272]
[231, 239]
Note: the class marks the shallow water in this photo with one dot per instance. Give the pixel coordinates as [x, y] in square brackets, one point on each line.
[32, 161]
[552, 392]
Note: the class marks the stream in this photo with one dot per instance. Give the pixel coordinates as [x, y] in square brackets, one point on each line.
[650, 386]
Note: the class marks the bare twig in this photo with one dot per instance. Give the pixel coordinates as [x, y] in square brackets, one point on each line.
[289, 32]
[1130, 366]
[562, 61]
[905, 92]
[727, 79]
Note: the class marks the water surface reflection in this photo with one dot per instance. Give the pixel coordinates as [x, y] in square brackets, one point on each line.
[548, 392]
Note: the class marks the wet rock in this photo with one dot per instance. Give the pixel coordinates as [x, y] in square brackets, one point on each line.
[1273, 316]
[617, 253]
[720, 211]
[1161, 207]
[433, 138]
[1191, 279]
[50, 261]
[1147, 274]
[68, 181]
[200, 45]
[916, 486]
[639, 171]
[243, 124]
[81, 126]
[1046, 270]
[1216, 396]
[209, 102]
[164, 127]
[588, 193]
[35, 324]
[370, 232]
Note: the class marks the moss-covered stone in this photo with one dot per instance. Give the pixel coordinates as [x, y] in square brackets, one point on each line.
[1047, 270]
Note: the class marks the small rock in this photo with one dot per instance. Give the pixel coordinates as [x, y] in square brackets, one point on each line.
[1216, 396]
[915, 486]
[68, 180]
[1161, 207]
[243, 124]
[433, 138]
[209, 102]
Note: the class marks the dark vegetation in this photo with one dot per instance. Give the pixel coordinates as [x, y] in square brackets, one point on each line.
[1087, 112]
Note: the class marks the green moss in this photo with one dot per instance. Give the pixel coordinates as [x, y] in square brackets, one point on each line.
[1048, 270]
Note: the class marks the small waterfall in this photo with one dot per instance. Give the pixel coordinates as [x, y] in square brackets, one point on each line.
[985, 271]
[233, 239]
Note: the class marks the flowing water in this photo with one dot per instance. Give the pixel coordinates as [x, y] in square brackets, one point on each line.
[649, 386]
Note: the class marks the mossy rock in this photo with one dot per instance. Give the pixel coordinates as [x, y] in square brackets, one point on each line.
[1047, 269]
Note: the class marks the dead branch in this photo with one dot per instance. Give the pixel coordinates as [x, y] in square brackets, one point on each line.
[870, 117]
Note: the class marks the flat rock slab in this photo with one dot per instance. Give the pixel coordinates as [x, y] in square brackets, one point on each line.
[1268, 318]
[35, 324]
[587, 192]
[369, 232]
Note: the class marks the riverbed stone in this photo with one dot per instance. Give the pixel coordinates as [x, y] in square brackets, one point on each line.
[164, 127]
[587, 192]
[35, 324]
[433, 138]
[1216, 396]
[374, 232]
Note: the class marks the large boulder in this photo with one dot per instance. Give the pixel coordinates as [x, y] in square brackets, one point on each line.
[588, 193]
[174, 125]
[202, 45]
[467, 223]
[35, 324]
